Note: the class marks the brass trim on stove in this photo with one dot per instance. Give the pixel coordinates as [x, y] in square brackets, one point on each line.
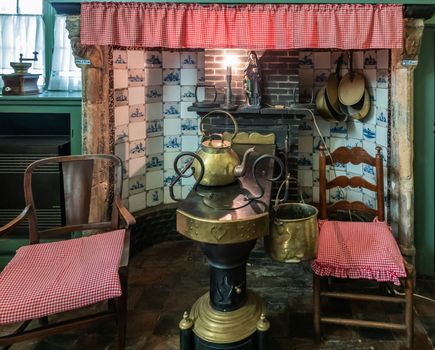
[226, 327]
[220, 231]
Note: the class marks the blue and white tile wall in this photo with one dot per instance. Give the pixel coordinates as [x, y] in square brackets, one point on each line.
[152, 91]
[314, 69]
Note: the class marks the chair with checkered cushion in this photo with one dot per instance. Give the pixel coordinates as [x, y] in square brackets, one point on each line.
[58, 275]
[358, 250]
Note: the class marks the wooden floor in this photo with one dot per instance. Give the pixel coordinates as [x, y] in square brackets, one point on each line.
[166, 279]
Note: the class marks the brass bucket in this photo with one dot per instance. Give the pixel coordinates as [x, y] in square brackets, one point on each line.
[293, 233]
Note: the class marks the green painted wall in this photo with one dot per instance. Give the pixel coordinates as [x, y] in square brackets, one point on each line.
[424, 112]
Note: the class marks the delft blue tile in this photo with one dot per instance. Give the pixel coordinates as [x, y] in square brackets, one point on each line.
[171, 109]
[169, 158]
[382, 97]
[336, 142]
[154, 128]
[171, 93]
[154, 197]
[381, 116]
[154, 145]
[153, 94]
[121, 97]
[136, 95]
[154, 162]
[336, 195]
[137, 113]
[171, 127]
[137, 149]
[154, 111]
[171, 59]
[381, 136]
[355, 130]
[322, 60]
[136, 77]
[355, 168]
[305, 144]
[153, 59]
[137, 202]
[135, 59]
[306, 128]
[370, 201]
[188, 77]
[382, 79]
[370, 147]
[121, 115]
[172, 143]
[136, 166]
[188, 93]
[154, 179]
[306, 59]
[369, 133]
[339, 167]
[189, 143]
[188, 181]
[122, 150]
[316, 161]
[153, 76]
[136, 131]
[315, 178]
[167, 198]
[168, 177]
[171, 76]
[200, 75]
[354, 196]
[316, 194]
[120, 78]
[188, 59]
[368, 171]
[189, 126]
[338, 130]
[121, 134]
[321, 77]
[305, 161]
[372, 94]
[370, 60]
[119, 59]
[136, 184]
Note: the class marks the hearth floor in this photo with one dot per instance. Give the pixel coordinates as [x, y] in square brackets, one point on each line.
[166, 279]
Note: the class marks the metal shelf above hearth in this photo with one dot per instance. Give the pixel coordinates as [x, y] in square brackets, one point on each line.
[298, 111]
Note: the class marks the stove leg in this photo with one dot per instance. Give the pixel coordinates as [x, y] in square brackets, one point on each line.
[263, 326]
[186, 332]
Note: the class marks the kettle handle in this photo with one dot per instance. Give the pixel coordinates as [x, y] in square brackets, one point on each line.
[229, 115]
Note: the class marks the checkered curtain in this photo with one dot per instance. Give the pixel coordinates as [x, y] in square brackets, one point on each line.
[243, 26]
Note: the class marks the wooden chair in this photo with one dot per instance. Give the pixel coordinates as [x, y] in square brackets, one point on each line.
[61, 275]
[364, 250]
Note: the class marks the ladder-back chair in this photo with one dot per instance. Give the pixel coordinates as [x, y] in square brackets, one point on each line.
[44, 279]
[358, 250]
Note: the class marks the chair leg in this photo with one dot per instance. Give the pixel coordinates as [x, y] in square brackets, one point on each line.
[122, 309]
[316, 304]
[409, 310]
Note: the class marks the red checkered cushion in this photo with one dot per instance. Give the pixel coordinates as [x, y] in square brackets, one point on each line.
[47, 278]
[358, 250]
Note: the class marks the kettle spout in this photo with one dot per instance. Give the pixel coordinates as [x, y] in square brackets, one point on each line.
[240, 170]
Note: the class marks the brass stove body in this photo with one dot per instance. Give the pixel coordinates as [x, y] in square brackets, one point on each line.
[229, 316]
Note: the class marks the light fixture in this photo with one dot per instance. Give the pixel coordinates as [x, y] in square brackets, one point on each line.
[230, 61]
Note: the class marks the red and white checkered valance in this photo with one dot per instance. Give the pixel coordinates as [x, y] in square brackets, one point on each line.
[242, 26]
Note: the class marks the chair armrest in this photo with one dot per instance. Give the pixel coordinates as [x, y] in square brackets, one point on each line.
[14, 222]
[124, 213]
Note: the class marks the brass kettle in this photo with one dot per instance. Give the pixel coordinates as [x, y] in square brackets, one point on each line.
[221, 163]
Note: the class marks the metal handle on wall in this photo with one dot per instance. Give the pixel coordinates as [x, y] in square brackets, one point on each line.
[254, 168]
